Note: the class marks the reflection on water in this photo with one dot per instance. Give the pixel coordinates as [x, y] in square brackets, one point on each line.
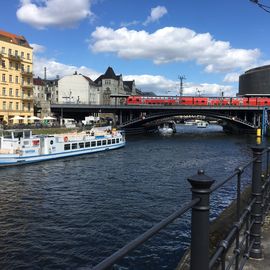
[74, 212]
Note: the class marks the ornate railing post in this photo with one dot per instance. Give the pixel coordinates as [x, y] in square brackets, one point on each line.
[256, 211]
[201, 184]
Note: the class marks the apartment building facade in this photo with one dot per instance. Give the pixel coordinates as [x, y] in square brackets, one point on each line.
[16, 79]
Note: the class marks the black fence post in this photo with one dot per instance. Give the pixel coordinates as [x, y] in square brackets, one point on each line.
[256, 211]
[201, 184]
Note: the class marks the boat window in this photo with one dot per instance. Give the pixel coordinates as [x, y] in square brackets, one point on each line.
[67, 147]
[74, 146]
[81, 145]
[93, 144]
[26, 142]
[27, 134]
[87, 144]
[98, 143]
[113, 141]
[7, 135]
[117, 140]
[109, 141]
[18, 134]
[104, 142]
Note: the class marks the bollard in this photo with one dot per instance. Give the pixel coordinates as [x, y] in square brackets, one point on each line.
[201, 184]
[256, 211]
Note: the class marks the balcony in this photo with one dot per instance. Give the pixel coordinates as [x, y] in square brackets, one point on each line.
[26, 73]
[27, 86]
[14, 57]
[26, 97]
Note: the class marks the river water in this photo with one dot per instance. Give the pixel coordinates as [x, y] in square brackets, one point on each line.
[74, 212]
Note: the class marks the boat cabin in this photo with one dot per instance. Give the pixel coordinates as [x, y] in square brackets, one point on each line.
[16, 134]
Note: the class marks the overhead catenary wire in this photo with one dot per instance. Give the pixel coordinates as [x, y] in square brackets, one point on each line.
[262, 6]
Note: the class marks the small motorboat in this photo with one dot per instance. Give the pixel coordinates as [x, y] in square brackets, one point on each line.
[202, 124]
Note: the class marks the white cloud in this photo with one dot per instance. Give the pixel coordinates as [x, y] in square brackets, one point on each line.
[156, 13]
[231, 77]
[54, 68]
[158, 84]
[44, 13]
[163, 86]
[37, 48]
[171, 44]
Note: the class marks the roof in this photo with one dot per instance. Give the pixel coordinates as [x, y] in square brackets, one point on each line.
[38, 81]
[15, 39]
[89, 80]
[109, 74]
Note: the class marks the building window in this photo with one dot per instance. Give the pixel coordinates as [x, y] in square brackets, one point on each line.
[10, 91]
[17, 79]
[22, 67]
[10, 78]
[107, 82]
[28, 93]
[3, 50]
[10, 64]
[16, 53]
[3, 77]
[17, 92]
[17, 106]
[28, 80]
[28, 56]
[16, 66]
[28, 69]
[4, 105]
[4, 91]
[10, 105]
[9, 52]
[3, 64]
[22, 54]
[29, 106]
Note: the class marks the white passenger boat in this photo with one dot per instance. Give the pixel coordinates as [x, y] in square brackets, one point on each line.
[21, 147]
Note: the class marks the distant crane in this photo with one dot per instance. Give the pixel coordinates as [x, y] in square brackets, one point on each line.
[181, 78]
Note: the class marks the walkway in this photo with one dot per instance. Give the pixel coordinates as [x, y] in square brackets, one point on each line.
[265, 262]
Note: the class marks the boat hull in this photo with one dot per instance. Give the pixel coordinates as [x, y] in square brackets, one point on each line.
[16, 159]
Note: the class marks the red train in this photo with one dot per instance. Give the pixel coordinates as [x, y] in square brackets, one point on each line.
[198, 101]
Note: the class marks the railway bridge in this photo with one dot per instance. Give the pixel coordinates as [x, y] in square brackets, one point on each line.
[235, 119]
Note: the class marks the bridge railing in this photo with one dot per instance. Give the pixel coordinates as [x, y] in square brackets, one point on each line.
[243, 241]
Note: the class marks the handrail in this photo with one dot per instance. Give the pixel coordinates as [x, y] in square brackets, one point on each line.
[144, 237]
[247, 240]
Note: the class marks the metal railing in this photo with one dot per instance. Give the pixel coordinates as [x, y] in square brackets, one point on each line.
[243, 240]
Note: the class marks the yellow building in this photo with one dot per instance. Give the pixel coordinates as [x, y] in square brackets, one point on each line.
[16, 79]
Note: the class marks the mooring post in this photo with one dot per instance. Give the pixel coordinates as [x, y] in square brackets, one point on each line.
[256, 210]
[200, 224]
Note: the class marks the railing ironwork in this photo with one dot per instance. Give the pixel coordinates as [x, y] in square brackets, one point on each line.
[243, 241]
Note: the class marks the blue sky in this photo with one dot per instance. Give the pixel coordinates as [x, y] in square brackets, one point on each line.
[151, 41]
